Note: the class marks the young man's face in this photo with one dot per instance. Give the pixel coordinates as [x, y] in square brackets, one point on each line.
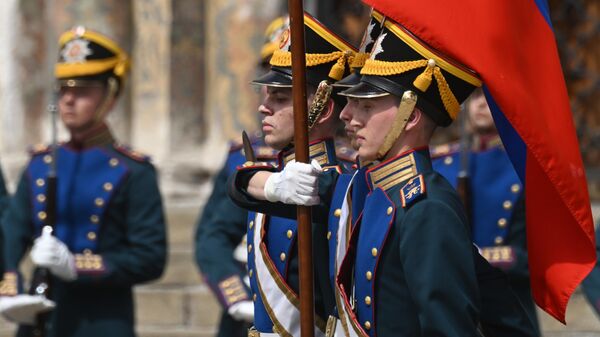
[278, 117]
[372, 120]
[480, 116]
[346, 115]
[78, 106]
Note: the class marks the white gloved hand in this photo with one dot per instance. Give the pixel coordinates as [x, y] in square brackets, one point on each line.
[242, 311]
[23, 309]
[240, 253]
[297, 184]
[49, 252]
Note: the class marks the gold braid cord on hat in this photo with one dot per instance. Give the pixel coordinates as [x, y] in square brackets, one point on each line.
[405, 109]
[284, 59]
[359, 60]
[422, 82]
[119, 64]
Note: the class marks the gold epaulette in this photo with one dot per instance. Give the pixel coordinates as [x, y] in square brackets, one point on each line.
[38, 149]
[442, 150]
[129, 152]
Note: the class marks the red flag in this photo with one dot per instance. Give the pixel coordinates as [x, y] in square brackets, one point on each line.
[511, 45]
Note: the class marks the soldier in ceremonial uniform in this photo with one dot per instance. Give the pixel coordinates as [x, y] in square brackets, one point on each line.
[273, 256]
[221, 230]
[502, 314]
[495, 199]
[410, 253]
[109, 233]
[404, 175]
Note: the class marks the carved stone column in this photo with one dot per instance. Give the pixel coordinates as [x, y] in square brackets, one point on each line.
[188, 121]
[234, 30]
[151, 77]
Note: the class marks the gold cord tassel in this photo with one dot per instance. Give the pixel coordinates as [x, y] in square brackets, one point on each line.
[448, 99]
[339, 68]
[423, 81]
[359, 60]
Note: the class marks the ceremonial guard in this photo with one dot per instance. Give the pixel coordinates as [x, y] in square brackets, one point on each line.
[221, 246]
[221, 230]
[410, 251]
[502, 314]
[108, 229]
[409, 268]
[495, 198]
[272, 251]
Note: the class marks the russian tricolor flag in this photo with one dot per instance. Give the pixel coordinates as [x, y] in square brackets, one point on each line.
[511, 45]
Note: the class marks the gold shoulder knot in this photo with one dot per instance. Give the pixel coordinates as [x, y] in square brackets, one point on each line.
[38, 149]
[133, 154]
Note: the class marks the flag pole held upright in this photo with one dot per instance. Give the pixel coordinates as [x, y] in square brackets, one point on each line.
[301, 147]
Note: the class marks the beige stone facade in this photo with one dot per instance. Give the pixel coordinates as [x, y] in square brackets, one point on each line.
[187, 94]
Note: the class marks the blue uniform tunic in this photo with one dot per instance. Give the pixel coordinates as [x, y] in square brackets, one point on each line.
[280, 238]
[220, 229]
[109, 214]
[501, 314]
[497, 211]
[409, 269]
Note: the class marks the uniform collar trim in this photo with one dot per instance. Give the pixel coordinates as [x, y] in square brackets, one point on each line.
[98, 136]
[398, 170]
[322, 150]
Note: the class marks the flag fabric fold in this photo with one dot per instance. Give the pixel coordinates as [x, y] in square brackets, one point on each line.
[511, 45]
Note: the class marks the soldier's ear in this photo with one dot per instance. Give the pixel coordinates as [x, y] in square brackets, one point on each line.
[327, 113]
[415, 117]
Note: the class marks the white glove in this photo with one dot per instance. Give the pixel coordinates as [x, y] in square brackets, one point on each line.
[297, 184]
[51, 253]
[242, 311]
[240, 253]
[23, 309]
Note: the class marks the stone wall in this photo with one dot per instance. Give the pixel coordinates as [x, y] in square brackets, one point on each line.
[187, 94]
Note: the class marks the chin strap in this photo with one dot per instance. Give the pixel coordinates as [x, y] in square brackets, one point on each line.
[111, 92]
[405, 109]
[319, 103]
